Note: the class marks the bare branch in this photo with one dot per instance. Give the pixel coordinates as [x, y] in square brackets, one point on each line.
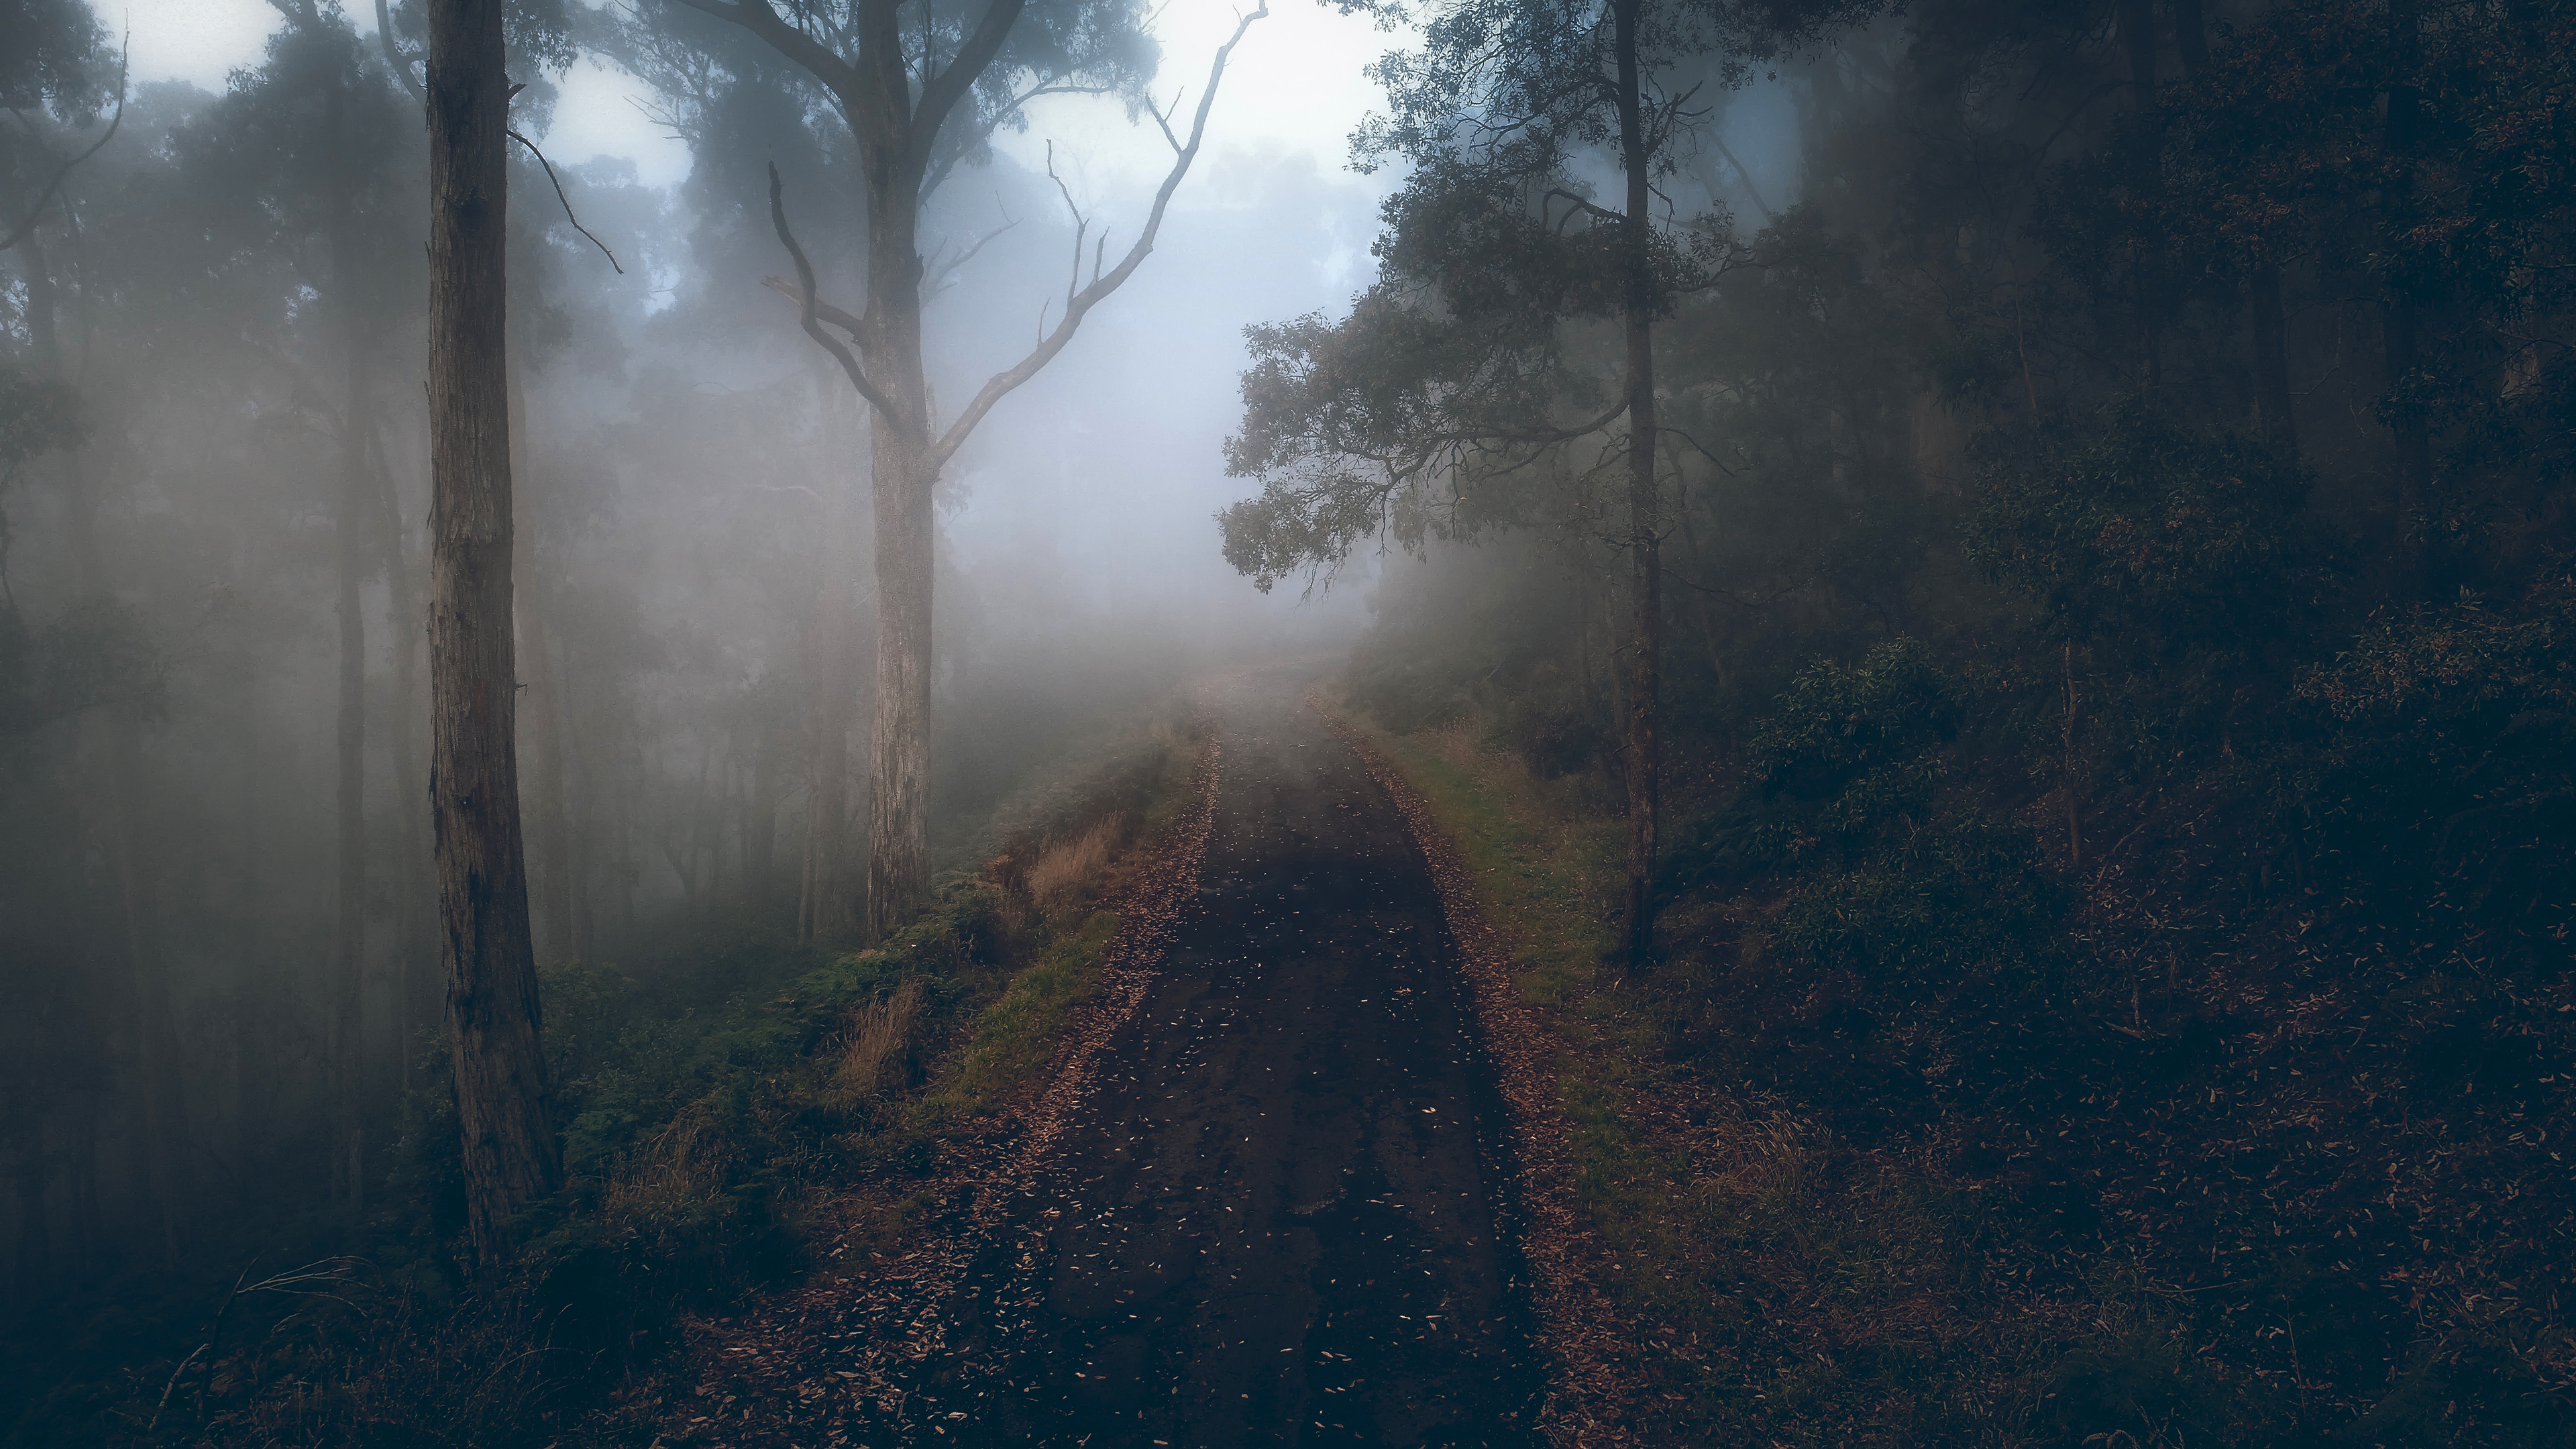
[807, 313]
[947, 165]
[1081, 223]
[823, 311]
[45, 197]
[939, 275]
[394, 55]
[1742, 175]
[1163, 119]
[1079, 304]
[1597, 212]
[566, 200]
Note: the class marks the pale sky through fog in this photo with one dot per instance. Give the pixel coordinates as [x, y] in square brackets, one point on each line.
[1295, 86]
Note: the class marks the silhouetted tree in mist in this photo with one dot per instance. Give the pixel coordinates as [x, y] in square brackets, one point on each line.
[913, 121]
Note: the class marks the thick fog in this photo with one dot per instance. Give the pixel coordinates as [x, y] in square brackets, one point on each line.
[694, 495]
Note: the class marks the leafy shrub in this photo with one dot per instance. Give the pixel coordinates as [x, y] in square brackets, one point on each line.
[2166, 539]
[1961, 908]
[1850, 750]
[2445, 758]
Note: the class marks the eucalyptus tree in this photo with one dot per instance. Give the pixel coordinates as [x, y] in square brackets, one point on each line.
[921, 86]
[1457, 365]
[503, 1106]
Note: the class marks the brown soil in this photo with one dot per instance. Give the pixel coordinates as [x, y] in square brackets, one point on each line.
[1267, 1197]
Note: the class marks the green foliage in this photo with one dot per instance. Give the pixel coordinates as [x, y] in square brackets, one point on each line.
[1851, 753]
[53, 54]
[1912, 898]
[2446, 757]
[2153, 537]
[1841, 725]
[1963, 907]
[685, 1128]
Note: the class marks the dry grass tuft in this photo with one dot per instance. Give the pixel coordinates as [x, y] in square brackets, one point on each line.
[880, 1052]
[1068, 867]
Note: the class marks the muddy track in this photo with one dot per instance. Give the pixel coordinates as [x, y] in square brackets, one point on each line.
[1266, 1198]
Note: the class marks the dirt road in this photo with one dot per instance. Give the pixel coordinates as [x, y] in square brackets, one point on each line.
[1278, 1217]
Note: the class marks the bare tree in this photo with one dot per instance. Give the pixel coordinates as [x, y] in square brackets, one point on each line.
[493, 1015]
[888, 87]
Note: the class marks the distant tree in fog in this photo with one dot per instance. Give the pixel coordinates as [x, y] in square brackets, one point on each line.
[913, 121]
[1447, 370]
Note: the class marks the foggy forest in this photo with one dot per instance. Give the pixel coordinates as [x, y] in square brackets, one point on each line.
[1394, 722]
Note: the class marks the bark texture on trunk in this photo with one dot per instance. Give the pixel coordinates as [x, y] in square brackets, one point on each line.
[509, 1152]
[899, 743]
[1645, 550]
[827, 905]
[541, 727]
[410, 774]
[904, 480]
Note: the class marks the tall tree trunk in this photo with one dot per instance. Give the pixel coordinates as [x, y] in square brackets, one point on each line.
[2191, 35]
[503, 1109]
[1645, 548]
[411, 785]
[899, 751]
[760, 822]
[826, 909]
[541, 728]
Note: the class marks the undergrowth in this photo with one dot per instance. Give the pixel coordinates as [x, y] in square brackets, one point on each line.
[727, 1126]
[1912, 1137]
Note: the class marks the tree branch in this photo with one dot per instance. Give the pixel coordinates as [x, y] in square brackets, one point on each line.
[941, 93]
[819, 60]
[1598, 212]
[1743, 175]
[45, 197]
[566, 200]
[937, 278]
[947, 165]
[807, 314]
[394, 54]
[823, 311]
[1079, 304]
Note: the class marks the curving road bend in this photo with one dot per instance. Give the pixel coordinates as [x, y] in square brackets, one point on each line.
[1281, 1216]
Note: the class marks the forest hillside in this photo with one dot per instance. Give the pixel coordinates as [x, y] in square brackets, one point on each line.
[1806, 723]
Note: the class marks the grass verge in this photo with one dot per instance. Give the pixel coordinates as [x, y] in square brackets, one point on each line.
[730, 1131]
[1764, 1282]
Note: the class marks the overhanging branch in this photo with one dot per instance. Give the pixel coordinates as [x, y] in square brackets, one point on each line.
[1079, 304]
[808, 313]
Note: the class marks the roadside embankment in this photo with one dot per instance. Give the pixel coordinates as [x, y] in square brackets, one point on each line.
[1713, 1266]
